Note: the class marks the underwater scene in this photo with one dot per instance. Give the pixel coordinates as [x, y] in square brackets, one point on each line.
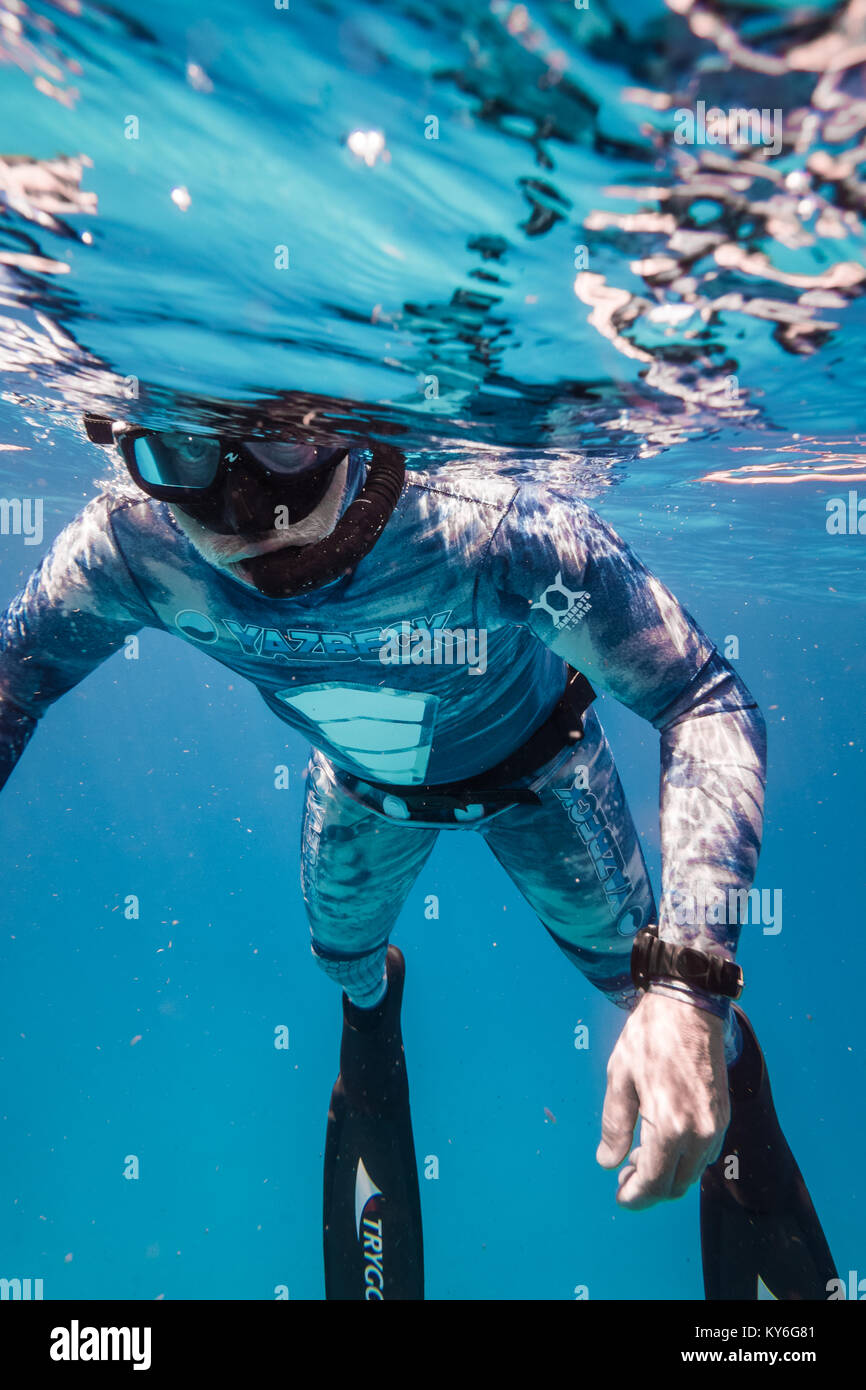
[432, 552]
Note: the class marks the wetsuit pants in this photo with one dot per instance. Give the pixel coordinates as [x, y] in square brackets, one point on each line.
[575, 856]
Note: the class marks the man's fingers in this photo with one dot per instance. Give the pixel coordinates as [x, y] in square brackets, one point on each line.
[624, 1174]
[689, 1169]
[670, 1061]
[658, 1170]
[618, 1119]
[628, 1170]
[695, 1160]
[716, 1150]
[654, 1164]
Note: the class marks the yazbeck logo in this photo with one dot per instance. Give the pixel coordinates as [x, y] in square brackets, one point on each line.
[288, 645]
[369, 1202]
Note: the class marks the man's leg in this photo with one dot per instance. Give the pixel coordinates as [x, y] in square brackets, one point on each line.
[356, 872]
[577, 860]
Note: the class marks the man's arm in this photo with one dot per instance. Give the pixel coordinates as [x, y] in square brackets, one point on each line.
[558, 568]
[76, 610]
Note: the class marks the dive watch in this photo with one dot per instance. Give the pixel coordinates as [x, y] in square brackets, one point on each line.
[652, 959]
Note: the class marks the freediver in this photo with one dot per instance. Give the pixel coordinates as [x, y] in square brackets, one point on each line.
[295, 564]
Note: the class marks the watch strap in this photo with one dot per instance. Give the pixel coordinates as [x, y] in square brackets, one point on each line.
[654, 959]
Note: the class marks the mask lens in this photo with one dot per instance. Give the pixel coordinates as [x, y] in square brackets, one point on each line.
[291, 460]
[177, 460]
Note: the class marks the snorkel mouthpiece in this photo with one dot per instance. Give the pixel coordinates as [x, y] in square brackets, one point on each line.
[295, 570]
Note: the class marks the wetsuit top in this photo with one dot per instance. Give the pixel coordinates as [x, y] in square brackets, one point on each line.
[532, 579]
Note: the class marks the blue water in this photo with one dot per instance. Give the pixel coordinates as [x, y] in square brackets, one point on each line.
[710, 426]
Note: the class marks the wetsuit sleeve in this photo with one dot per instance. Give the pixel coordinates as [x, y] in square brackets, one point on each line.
[75, 611]
[559, 569]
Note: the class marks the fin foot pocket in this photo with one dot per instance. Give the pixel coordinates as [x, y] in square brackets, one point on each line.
[372, 1209]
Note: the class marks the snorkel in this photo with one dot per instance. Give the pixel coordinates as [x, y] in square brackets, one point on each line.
[295, 570]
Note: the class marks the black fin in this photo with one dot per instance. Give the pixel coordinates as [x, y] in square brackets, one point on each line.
[761, 1223]
[372, 1214]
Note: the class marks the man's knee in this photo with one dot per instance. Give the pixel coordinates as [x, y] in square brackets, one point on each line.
[360, 974]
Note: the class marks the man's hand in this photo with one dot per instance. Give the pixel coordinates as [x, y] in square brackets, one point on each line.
[668, 1065]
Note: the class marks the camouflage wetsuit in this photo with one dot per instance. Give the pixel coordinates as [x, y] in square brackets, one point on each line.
[531, 578]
